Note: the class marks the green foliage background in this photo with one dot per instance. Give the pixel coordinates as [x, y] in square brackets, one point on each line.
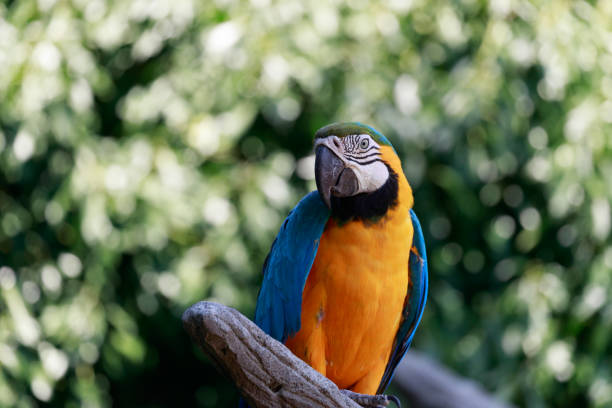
[150, 149]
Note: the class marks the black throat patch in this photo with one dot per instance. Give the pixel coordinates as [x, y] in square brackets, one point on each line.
[367, 207]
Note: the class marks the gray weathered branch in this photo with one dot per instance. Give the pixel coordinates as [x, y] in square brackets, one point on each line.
[269, 375]
[265, 371]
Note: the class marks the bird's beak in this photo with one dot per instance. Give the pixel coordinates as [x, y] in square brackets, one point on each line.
[332, 176]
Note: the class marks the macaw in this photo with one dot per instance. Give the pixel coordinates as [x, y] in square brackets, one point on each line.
[345, 281]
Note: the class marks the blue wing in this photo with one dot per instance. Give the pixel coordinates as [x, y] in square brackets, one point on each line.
[413, 305]
[286, 268]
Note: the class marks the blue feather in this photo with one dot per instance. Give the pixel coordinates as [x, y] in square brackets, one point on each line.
[279, 305]
[413, 305]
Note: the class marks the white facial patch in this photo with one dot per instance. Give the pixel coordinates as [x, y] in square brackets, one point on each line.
[361, 154]
[371, 176]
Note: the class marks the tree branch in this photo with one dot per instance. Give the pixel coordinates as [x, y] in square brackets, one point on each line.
[265, 371]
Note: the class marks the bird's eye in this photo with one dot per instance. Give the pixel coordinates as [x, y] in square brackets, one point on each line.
[364, 143]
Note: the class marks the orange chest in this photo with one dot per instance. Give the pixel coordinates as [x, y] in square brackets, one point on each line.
[358, 249]
[353, 298]
[357, 256]
[359, 271]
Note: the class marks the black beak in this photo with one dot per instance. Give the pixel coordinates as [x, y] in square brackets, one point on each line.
[332, 177]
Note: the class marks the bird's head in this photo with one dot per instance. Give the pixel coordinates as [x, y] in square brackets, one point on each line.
[356, 170]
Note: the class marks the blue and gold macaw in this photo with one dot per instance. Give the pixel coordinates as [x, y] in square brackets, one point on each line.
[345, 282]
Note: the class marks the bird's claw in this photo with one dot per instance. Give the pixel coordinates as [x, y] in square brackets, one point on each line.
[372, 401]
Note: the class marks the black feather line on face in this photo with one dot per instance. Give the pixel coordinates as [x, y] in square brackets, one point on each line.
[363, 163]
[367, 206]
[362, 156]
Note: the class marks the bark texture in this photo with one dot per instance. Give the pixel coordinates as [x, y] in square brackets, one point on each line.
[265, 371]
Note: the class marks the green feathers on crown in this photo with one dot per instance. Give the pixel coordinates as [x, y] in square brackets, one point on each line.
[342, 129]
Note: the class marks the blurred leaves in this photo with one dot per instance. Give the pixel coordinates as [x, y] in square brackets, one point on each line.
[149, 150]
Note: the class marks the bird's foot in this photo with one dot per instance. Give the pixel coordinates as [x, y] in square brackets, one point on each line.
[372, 401]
